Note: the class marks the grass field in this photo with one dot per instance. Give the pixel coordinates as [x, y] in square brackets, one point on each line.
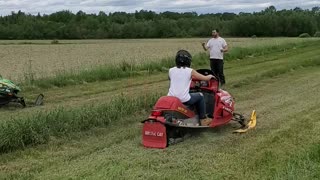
[40, 59]
[282, 86]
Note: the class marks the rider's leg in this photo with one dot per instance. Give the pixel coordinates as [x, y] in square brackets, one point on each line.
[197, 99]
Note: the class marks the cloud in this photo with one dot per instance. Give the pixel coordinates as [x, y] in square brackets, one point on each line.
[199, 6]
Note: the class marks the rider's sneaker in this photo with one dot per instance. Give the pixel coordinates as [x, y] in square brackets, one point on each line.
[205, 122]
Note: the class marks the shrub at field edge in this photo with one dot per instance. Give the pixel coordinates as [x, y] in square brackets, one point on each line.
[304, 35]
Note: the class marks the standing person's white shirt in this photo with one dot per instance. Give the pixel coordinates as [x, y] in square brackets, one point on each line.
[180, 80]
[215, 45]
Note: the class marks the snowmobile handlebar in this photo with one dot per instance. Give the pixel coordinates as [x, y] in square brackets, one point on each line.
[206, 72]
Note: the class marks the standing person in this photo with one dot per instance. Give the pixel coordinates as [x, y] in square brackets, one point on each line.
[180, 79]
[217, 46]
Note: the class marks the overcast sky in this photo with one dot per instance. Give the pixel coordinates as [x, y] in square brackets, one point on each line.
[199, 6]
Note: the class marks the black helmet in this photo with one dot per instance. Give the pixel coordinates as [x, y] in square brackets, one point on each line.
[183, 59]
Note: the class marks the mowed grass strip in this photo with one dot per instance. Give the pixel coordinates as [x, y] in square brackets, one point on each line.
[269, 69]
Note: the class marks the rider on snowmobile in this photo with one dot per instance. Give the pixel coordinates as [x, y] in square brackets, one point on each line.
[180, 78]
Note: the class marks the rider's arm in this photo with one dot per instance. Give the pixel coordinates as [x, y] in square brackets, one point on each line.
[201, 77]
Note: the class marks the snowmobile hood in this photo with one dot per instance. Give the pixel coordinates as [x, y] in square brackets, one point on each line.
[8, 83]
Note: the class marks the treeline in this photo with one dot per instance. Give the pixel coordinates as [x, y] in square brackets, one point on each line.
[148, 24]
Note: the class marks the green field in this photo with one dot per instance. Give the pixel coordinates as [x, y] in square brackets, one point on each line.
[282, 86]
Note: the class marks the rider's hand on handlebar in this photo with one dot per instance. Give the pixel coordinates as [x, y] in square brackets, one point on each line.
[210, 77]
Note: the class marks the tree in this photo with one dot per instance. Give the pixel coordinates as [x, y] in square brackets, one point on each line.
[270, 9]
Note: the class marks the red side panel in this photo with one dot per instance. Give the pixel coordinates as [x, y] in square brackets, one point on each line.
[224, 107]
[166, 102]
[154, 135]
[174, 104]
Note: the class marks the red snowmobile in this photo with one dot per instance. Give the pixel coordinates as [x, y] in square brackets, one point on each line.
[170, 120]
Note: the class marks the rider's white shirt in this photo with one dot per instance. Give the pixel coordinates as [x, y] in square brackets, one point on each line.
[180, 80]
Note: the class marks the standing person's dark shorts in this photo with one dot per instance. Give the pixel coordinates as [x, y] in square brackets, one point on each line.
[217, 46]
